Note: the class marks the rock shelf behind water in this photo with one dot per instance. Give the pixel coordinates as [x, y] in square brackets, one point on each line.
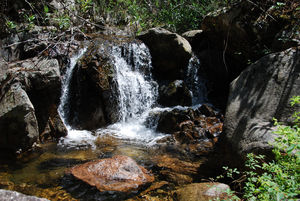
[119, 173]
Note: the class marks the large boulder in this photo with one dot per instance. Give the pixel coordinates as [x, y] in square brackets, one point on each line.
[170, 53]
[35, 83]
[261, 92]
[119, 173]
[18, 123]
[90, 87]
[15, 196]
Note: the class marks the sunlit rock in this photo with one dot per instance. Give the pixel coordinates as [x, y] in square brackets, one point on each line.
[119, 173]
[15, 196]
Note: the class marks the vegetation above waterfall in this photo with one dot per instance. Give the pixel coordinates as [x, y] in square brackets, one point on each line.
[92, 15]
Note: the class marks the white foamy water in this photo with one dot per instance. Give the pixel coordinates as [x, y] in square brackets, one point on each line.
[137, 93]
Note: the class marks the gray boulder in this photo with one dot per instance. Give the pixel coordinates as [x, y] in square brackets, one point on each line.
[18, 124]
[29, 90]
[261, 92]
[6, 195]
[170, 53]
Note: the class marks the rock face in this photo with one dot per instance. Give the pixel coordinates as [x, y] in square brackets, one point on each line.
[202, 191]
[18, 124]
[175, 93]
[119, 173]
[15, 196]
[29, 88]
[233, 37]
[170, 53]
[261, 92]
[89, 84]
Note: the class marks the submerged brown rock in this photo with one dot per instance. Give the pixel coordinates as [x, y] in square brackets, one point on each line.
[119, 173]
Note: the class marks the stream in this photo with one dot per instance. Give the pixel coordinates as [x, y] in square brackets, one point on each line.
[42, 172]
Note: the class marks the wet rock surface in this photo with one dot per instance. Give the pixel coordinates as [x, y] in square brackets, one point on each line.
[175, 93]
[188, 126]
[119, 173]
[176, 170]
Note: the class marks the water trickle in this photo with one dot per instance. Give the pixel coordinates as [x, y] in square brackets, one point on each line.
[63, 108]
[74, 136]
[195, 82]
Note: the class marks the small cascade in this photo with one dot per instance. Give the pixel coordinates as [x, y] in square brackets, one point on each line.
[63, 108]
[195, 83]
[74, 136]
[137, 92]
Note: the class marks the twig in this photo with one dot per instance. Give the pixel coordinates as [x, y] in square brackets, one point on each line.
[224, 52]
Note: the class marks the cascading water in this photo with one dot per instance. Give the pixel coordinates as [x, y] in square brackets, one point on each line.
[74, 136]
[65, 92]
[137, 94]
[195, 83]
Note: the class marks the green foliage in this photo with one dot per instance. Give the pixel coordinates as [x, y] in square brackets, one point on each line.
[64, 21]
[30, 19]
[175, 15]
[11, 25]
[85, 5]
[280, 179]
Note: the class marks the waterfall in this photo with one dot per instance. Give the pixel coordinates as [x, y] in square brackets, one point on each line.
[137, 92]
[63, 108]
[74, 136]
[195, 82]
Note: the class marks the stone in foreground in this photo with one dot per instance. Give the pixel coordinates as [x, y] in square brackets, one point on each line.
[15, 196]
[203, 191]
[119, 173]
